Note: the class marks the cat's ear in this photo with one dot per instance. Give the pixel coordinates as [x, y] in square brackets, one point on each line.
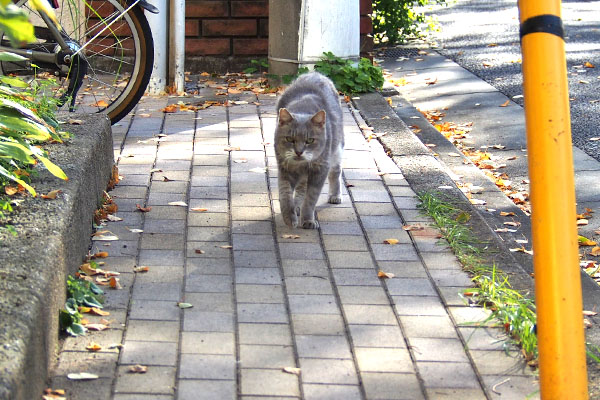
[284, 117]
[319, 119]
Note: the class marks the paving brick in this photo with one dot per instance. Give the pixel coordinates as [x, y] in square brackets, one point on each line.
[438, 349]
[381, 222]
[406, 203]
[397, 252]
[391, 386]
[513, 388]
[410, 287]
[149, 353]
[316, 346]
[484, 338]
[305, 268]
[418, 306]
[189, 389]
[252, 227]
[257, 276]
[301, 251]
[451, 295]
[363, 295]
[157, 380]
[153, 258]
[263, 356]
[449, 375]
[253, 242]
[208, 219]
[356, 277]
[250, 200]
[455, 394]
[208, 234]
[262, 293]
[165, 213]
[211, 159]
[308, 285]
[336, 215]
[404, 269]
[212, 205]
[328, 371]
[168, 187]
[344, 242]
[162, 199]
[365, 209]
[500, 362]
[469, 316]
[208, 283]
[268, 313]
[318, 324]
[154, 310]
[101, 364]
[209, 192]
[207, 366]
[369, 314]
[340, 228]
[313, 304]
[446, 277]
[215, 252]
[219, 302]
[265, 334]
[156, 291]
[254, 259]
[371, 359]
[159, 241]
[355, 259]
[440, 261]
[207, 321]
[377, 336]
[268, 382]
[286, 234]
[208, 342]
[142, 396]
[251, 213]
[428, 326]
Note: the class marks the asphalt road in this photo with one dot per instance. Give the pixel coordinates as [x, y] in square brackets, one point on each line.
[483, 37]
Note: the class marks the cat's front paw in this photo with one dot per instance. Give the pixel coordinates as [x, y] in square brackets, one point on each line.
[297, 210]
[290, 220]
[310, 224]
[335, 199]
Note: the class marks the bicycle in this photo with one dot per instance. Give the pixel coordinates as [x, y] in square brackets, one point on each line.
[100, 52]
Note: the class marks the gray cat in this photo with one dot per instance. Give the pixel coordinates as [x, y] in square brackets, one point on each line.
[309, 141]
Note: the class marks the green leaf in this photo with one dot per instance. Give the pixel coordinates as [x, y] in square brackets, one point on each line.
[14, 82]
[6, 173]
[10, 104]
[8, 56]
[53, 168]
[15, 24]
[90, 301]
[16, 151]
[76, 329]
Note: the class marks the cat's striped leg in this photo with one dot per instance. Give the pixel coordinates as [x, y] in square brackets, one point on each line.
[286, 202]
[335, 184]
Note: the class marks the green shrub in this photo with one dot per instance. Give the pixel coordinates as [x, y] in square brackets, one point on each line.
[348, 78]
[394, 21]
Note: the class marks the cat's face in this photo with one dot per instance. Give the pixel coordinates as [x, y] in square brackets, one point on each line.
[300, 137]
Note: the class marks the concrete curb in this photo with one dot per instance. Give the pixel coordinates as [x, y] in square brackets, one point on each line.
[53, 237]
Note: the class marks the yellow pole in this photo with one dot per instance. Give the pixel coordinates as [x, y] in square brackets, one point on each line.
[556, 264]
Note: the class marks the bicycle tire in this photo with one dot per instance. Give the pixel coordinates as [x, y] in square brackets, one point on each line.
[123, 54]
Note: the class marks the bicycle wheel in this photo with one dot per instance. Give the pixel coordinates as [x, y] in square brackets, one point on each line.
[118, 52]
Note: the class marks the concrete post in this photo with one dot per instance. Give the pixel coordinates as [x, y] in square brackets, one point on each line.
[177, 46]
[158, 24]
[284, 24]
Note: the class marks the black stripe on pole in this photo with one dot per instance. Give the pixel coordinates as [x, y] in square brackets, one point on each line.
[543, 23]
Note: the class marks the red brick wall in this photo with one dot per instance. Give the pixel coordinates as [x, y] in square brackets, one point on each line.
[226, 28]
[238, 30]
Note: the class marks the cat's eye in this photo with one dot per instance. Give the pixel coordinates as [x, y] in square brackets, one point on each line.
[289, 139]
[310, 140]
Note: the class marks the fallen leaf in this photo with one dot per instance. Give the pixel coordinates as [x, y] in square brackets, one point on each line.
[82, 376]
[178, 203]
[51, 195]
[413, 227]
[141, 269]
[385, 275]
[171, 108]
[291, 370]
[583, 241]
[198, 251]
[99, 312]
[87, 269]
[138, 369]
[506, 103]
[582, 222]
[100, 254]
[505, 230]
[289, 236]
[183, 306]
[135, 230]
[595, 251]
[114, 283]
[143, 209]
[199, 209]
[54, 394]
[227, 246]
[165, 179]
[105, 238]
[391, 241]
[586, 323]
[113, 218]
[507, 214]
[96, 327]
[231, 148]
[240, 161]
[513, 223]
[100, 103]
[93, 347]
[588, 64]
[11, 190]
[589, 313]
[522, 250]
[74, 121]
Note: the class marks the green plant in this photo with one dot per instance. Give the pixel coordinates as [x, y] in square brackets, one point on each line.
[349, 78]
[80, 293]
[515, 312]
[394, 21]
[259, 65]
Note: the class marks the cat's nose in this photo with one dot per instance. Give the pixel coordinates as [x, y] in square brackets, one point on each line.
[298, 153]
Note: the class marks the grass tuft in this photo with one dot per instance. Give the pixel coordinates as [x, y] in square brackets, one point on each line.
[515, 312]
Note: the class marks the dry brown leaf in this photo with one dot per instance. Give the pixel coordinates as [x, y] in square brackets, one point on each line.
[231, 148]
[11, 190]
[81, 376]
[512, 223]
[588, 64]
[96, 327]
[100, 254]
[413, 227]
[290, 236]
[100, 103]
[589, 313]
[583, 241]
[97, 311]
[143, 209]
[226, 247]
[93, 347]
[138, 369]
[291, 370]
[87, 269]
[385, 275]
[199, 209]
[114, 283]
[507, 214]
[582, 222]
[172, 108]
[198, 251]
[391, 241]
[505, 104]
[141, 269]
[178, 203]
[51, 195]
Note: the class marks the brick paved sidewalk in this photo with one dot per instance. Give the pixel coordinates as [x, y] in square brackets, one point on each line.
[264, 300]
